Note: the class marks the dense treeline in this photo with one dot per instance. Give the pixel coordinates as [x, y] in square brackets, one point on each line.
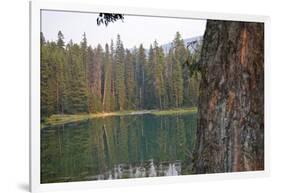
[79, 78]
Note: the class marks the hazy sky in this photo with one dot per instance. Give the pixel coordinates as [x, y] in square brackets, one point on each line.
[133, 31]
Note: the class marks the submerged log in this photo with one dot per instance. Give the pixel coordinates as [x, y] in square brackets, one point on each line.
[230, 134]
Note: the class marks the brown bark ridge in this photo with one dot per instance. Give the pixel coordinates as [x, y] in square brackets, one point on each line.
[230, 134]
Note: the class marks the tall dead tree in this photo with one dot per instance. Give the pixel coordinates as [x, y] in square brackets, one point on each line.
[230, 135]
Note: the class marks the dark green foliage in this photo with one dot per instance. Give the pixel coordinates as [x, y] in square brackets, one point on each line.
[95, 78]
[106, 18]
[155, 77]
[107, 80]
[119, 74]
[77, 88]
[47, 82]
[130, 82]
[180, 87]
[60, 42]
[140, 76]
[77, 78]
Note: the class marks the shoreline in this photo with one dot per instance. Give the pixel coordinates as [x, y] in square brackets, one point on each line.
[60, 119]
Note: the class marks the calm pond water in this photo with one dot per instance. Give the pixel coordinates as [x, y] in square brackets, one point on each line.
[118, 147]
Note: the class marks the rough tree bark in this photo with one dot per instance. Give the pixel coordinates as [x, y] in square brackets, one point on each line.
[230, 135]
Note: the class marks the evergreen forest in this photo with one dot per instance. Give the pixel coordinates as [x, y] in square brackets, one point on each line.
[77, 78]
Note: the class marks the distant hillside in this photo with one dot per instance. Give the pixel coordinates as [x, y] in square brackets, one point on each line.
[193, 40]
[166, 47]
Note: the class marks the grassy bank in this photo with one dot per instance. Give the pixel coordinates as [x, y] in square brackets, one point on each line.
[63, 119]
[175, 111]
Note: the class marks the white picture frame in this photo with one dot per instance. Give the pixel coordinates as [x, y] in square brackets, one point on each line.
[36, 6]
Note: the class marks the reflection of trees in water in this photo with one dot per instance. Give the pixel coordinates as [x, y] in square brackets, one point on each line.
[146, 169]
[118, 147]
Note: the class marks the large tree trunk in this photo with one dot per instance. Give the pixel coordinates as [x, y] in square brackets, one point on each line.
[230, 135]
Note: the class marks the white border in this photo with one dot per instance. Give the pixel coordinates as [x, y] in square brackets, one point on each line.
[34, 145]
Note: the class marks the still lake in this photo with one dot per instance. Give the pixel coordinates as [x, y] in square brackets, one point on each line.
[118, 147]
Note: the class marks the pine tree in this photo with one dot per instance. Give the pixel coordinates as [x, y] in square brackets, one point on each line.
[150, 95]
[168, 69]
[129, 80]
[60, 41]
[159, 76]
[177, 81]
[119, 74]
[95, 80]
[180, 57]
[90, 79]
[84, 56]
[230, 131]
[135, 95]
[59, 61]
[107, 81]
[78, 78]
[77, 83]
[140, 75]
[47, 82]
[113, 104]
[155, 76]
[194, 77]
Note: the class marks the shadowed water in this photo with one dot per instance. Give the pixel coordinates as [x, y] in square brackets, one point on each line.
[118, 147]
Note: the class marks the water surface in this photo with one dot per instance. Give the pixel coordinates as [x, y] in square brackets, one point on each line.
[118, 147]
